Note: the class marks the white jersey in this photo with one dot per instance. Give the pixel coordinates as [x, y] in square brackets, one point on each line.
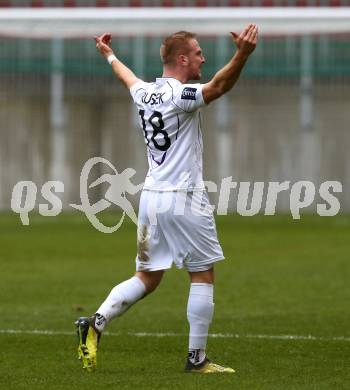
[171, 124]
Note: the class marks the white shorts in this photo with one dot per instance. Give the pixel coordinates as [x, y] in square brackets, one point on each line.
[176, 227]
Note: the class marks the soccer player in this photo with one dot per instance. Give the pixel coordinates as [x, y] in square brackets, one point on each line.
[170, 120]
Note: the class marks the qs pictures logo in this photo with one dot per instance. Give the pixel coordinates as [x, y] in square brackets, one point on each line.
[24, 196]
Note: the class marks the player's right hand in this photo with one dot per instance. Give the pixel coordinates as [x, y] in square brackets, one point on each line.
[246, 41]
[103, 44]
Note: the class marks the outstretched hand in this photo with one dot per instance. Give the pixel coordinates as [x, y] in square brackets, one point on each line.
[246, 41]
[103, 43]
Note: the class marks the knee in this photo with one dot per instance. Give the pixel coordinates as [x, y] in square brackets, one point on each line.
[151, 280]
[202, 276]
[150, 287]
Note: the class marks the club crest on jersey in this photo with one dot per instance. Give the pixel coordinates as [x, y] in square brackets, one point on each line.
[189, 93]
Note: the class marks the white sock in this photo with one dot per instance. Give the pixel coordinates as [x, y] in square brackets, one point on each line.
[196, 356]
[119, 300]
[200, 309]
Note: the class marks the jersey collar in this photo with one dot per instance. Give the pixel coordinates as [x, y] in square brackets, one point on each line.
[165, 79]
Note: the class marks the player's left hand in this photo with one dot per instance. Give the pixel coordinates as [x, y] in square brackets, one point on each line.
[103, 43]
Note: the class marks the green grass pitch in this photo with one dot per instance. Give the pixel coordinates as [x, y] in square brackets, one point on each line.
[281, 277]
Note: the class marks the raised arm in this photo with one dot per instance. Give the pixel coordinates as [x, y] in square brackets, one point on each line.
[227, 76]
[123, 73]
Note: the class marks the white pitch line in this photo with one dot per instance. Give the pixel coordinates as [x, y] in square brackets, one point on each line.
[213, 335]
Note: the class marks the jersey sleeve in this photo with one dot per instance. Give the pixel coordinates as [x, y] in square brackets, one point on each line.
[189, 97]
[137, 89]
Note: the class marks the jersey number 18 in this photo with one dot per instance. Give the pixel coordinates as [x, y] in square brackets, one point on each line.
[157, 129]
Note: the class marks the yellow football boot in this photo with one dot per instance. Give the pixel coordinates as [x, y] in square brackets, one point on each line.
[88, 338]
[207, 367]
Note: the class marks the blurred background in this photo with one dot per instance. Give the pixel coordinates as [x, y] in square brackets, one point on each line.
[287, 118]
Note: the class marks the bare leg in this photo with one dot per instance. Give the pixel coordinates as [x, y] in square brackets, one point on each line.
[202, 277]
[151, 280]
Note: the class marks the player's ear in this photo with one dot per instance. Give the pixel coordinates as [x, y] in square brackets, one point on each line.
[183, 60]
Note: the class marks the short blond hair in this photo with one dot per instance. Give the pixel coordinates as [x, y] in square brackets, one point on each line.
[175, 44]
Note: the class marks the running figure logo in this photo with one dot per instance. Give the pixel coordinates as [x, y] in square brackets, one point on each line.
[119, 185]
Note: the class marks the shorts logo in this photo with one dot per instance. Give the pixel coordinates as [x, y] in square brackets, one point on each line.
[189, 93]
